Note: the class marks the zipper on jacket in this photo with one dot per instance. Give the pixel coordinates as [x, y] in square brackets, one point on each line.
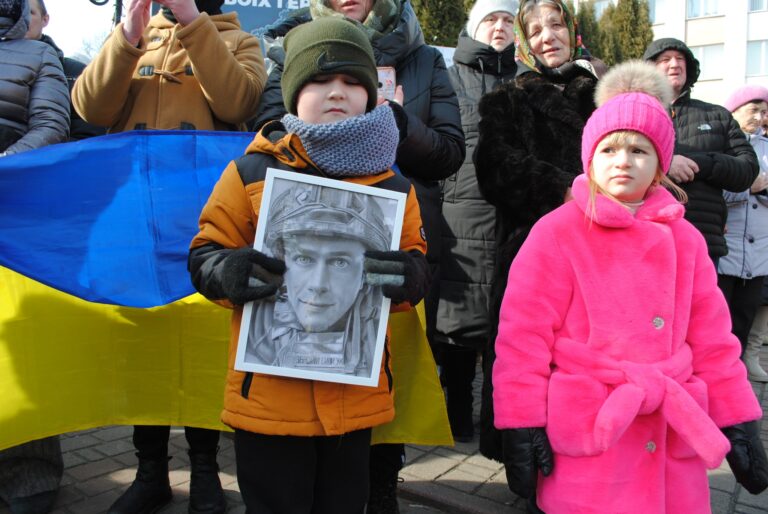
[247, 384]
[386, 365]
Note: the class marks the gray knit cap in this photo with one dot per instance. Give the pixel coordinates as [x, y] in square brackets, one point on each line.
[327, 46]
[483, 8]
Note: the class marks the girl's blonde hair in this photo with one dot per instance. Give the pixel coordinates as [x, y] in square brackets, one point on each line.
[621, 137]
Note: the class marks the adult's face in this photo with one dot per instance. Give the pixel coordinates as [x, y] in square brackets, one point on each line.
[672, 64]
[496, 30]
[750, 116]
[37, 21]
[548, 36]
[355, 9]
[323, 279]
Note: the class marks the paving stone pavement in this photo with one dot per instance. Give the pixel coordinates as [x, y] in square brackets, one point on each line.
[100, 464]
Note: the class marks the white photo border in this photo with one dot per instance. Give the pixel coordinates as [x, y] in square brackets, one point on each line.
[261, 228]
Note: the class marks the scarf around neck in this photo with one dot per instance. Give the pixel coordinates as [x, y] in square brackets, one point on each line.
[355, 147]
[381, 20]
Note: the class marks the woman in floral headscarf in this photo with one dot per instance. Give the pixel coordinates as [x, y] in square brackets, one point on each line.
[529, 149]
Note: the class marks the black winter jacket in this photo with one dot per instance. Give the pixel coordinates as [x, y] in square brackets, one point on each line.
[462, 290]
[707, 134]
[34, 103]
[78, 127]
[432, 147]
[528, 153]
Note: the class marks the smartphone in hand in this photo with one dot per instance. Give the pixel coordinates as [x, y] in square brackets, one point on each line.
[387, 82]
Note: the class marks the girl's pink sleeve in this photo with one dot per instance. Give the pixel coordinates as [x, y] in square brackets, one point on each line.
[716, 350]
[538, 293]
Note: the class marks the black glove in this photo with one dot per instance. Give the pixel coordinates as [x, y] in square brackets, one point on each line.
[526, 451]
[747, 456]
[248, 275]
[403, 276]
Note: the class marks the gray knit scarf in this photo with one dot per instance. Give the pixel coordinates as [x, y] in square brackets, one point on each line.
[355, 147]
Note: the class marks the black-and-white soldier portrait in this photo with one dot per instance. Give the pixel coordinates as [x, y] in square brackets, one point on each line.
[325, 319]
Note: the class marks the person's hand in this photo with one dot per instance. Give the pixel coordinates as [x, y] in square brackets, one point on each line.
[248, 275]
[403, 276]
[185, 11]
[760, 183]
[747, 457]
[136, 20]
[683, 169]
[525, 452]
[398, 99]
[568, 195]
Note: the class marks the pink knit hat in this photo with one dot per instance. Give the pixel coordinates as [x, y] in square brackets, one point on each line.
[635, 111]
[744, 95]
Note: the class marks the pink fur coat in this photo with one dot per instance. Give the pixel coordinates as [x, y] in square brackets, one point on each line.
[614, 336]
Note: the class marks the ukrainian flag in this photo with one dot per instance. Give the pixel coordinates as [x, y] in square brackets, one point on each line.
[99, 323]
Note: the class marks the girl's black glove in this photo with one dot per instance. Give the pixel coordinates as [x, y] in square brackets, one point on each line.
[747, 456]
[525, 452]
[247, 275]
[403, 276]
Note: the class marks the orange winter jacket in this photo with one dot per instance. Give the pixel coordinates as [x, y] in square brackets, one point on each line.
[208, 75]
[269, 404]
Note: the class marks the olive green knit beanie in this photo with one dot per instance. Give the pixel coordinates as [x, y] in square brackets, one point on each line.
[327, 46]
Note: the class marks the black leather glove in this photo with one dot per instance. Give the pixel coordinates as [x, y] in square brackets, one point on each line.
[403, 276]
[747, 456]
[247, 275]
[525, 452]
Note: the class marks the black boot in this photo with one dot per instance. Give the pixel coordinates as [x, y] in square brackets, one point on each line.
[205, 493]
[148, 493]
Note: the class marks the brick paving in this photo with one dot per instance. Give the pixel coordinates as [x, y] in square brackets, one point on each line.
[100, 464]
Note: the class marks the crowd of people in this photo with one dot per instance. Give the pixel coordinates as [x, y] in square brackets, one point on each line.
[597, 239]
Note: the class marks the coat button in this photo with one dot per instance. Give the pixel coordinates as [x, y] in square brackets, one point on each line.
[754, 206]
[658, 322]
[650, 446]
[751, 239]
[749, 275]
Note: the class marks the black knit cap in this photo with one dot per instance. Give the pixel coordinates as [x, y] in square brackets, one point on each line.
[326, 46]
[10, 9]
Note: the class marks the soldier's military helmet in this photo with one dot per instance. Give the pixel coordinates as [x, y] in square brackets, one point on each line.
[308, 209]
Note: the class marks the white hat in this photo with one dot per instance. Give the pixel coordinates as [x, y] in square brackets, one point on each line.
[483, 8]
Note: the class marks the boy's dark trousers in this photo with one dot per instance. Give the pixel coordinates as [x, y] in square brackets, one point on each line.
[302, 475]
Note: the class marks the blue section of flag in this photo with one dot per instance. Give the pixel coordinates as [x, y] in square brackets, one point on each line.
[110, 219]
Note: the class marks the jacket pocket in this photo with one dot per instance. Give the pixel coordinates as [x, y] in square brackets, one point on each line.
[676, 445]
[572, 406]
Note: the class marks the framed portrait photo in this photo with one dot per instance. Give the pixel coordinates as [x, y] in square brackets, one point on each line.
[326, 322]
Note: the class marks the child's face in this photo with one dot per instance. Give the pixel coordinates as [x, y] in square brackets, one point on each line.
[625, 169]
[331, 98]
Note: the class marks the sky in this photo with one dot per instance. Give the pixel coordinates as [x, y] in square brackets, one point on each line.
[74, 21]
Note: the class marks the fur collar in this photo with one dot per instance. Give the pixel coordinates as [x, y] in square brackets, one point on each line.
[659, 206]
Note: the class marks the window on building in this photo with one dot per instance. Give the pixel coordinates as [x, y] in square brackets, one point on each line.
[699, 8]
[654, 7]
[758, 5]
[711, 61]
[757, 58]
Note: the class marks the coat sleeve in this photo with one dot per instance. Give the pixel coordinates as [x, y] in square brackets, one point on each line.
[511, 176]
[101, 92]
[735, 167]
[227, 222]
[716, 350]
[48, 107]
[232, 80]
[433, 148]
[271, 107]
[535, 302]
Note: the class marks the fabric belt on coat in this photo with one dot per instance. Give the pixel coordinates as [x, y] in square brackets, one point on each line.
[642, 389]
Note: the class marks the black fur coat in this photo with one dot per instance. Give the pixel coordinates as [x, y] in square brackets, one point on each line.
[528, 153]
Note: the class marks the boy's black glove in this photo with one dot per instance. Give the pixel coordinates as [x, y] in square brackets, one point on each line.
[747, 456]
[247, 275]
[525, 452]
[403, 276]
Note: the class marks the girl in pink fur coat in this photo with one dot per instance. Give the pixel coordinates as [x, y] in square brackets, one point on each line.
[617, 380]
